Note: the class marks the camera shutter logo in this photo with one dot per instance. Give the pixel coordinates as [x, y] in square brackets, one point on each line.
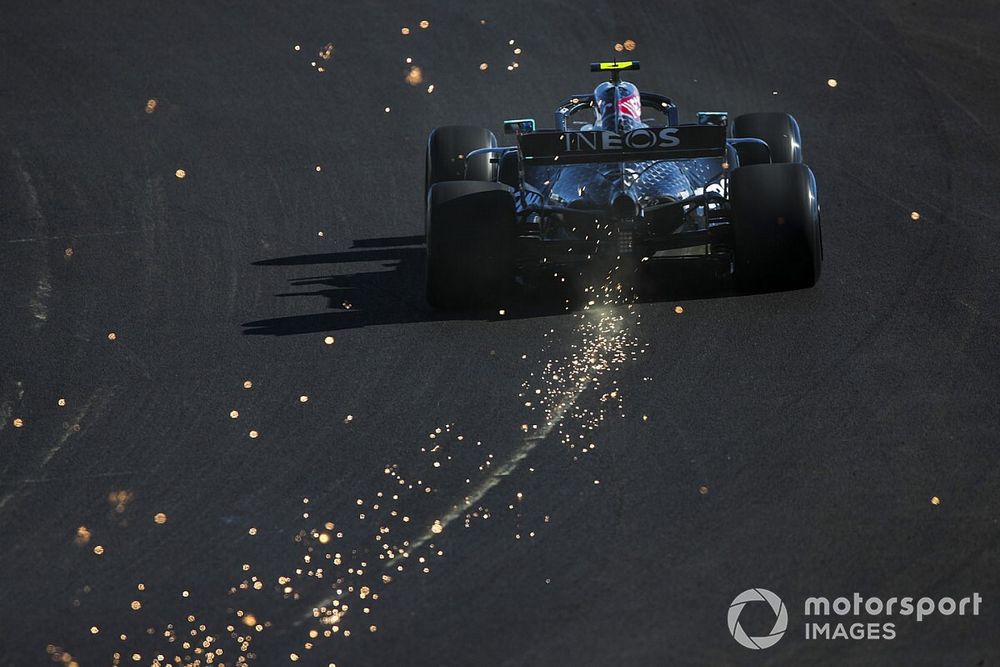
[780, 620]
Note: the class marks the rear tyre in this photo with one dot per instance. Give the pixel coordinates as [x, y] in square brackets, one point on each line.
[777, 242]
[446, 150]
[779, 130]
[470, 238]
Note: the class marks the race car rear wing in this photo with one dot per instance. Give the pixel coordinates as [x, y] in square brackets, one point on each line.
[653, 143]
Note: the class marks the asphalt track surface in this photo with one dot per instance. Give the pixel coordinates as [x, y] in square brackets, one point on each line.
[790, 441]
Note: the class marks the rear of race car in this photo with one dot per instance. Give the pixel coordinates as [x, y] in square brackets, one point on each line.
[648, 194]
[615, 192]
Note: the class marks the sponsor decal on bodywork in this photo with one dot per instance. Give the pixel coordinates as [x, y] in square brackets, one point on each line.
[652, 143]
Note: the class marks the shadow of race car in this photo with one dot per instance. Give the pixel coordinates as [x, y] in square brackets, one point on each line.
[620, 188]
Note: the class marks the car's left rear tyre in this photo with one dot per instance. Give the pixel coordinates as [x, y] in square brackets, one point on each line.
[777, 240]
[446, 150]
[470, 239]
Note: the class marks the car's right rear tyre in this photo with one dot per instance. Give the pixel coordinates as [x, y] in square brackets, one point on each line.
[777, 242]
[470, 239]
[446, 150]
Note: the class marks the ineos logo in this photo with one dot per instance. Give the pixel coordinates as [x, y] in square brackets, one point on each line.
[780, 618]
[641, 139]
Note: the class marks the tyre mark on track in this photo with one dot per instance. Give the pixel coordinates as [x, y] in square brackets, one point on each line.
[7, 406]
[62, 237]
[92, 407]
[96, 403]
[38, 303]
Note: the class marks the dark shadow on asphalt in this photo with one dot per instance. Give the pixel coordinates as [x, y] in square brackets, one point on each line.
[392, 292]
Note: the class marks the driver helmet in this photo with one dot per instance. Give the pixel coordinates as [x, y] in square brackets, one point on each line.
[629, 116]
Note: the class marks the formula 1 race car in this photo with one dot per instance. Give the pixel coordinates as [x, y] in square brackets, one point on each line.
[735, 195]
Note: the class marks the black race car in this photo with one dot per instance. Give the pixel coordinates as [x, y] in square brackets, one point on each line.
[624, 188]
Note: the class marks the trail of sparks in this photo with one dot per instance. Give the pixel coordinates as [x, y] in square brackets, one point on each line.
[529, 443]
[604, 343]
[571, 393]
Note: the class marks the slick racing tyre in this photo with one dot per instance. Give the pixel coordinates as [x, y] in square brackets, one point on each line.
[779, 130]
[777, 243]
[470, 238]
[446, 150]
